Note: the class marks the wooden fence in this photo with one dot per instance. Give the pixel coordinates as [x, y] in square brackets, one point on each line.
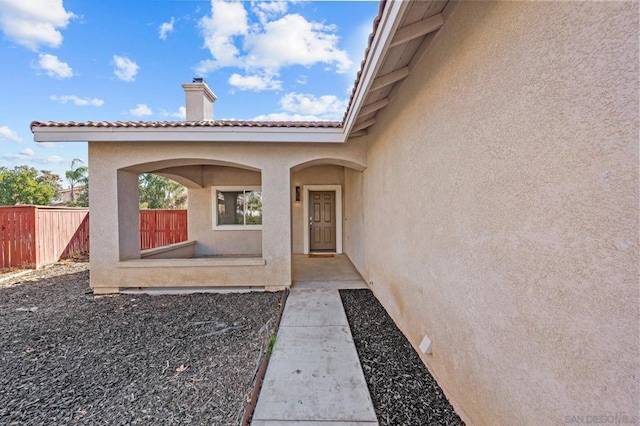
[162, 227]
[33, 236]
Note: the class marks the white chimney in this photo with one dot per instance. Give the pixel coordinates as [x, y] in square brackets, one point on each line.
[199, 100]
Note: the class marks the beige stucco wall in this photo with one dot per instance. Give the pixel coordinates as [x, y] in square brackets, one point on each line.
[114, 225]
[200, 221]
[354, 235]
[314, 175]
[501, 210]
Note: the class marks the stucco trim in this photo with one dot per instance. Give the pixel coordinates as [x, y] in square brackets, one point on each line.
[194, 262]
[189, 134]
[305, 207]
[326, 161]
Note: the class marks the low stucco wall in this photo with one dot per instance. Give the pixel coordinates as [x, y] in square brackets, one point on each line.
[190, 273]
[501, 210]
[182, 250]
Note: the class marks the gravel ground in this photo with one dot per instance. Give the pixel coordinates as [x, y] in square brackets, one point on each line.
[67, 357]
[402, 389]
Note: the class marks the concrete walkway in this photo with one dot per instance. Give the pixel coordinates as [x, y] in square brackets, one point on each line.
[314, 375]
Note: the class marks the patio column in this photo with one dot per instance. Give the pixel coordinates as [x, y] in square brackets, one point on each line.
[113, 217]
[276, 225]
[103, 215]
[128, 216]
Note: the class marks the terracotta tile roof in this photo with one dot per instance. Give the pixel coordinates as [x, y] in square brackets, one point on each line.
[180, 124]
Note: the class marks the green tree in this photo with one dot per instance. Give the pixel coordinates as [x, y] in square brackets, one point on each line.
[26, 185]
[83, 196]
[76, 175]
[158, 192]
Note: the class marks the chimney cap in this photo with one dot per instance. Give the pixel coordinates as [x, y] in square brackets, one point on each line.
[198, 80]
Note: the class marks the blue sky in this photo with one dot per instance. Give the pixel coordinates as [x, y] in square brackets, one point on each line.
[79, 60]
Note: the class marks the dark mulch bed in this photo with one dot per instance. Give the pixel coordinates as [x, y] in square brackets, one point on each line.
[402, 389]
[126, 359]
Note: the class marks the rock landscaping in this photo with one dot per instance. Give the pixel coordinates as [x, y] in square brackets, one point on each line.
[67, 357]
[402, 389]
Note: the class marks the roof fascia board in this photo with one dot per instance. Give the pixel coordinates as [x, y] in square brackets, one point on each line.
[389, 23]
[181, 134]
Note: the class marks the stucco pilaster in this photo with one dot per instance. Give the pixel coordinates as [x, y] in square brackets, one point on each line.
[276, 222]
[103, 202]
[128, 215]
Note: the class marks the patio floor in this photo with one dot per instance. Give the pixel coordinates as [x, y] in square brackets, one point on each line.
[335, 272]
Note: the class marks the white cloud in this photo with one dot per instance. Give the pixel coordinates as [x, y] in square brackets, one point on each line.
[166, 28]
[255, 82]
[292, 40]
[306, 107]
[180, 114]
[266, 10]
[33, 23]
[10, 135]
[77, 101]
[24, 155]
[125, 69]
[267, 46]
[206, 66]
[54, 67]
[227, 21]
[141, 110]
[29, 155]
[285, 116]
[47, 144]
[14, 157]
[327, 107]
[302, 79]
[51, 159]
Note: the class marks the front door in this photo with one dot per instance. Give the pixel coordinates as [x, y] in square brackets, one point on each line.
[322, 220]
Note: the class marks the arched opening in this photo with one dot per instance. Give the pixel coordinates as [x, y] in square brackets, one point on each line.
[163, 211]
[321, 204]
[326, 213]
[222, 214]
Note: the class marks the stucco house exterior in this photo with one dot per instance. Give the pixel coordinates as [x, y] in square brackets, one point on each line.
[484, 182]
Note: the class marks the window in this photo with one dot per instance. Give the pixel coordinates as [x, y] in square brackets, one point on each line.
[237, 207]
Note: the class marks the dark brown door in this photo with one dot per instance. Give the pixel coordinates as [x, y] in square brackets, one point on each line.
[322, 220]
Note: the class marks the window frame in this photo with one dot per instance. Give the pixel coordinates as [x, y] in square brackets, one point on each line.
[214, 207]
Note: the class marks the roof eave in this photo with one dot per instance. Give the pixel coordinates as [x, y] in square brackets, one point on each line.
[188, 134]
[389, 23]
